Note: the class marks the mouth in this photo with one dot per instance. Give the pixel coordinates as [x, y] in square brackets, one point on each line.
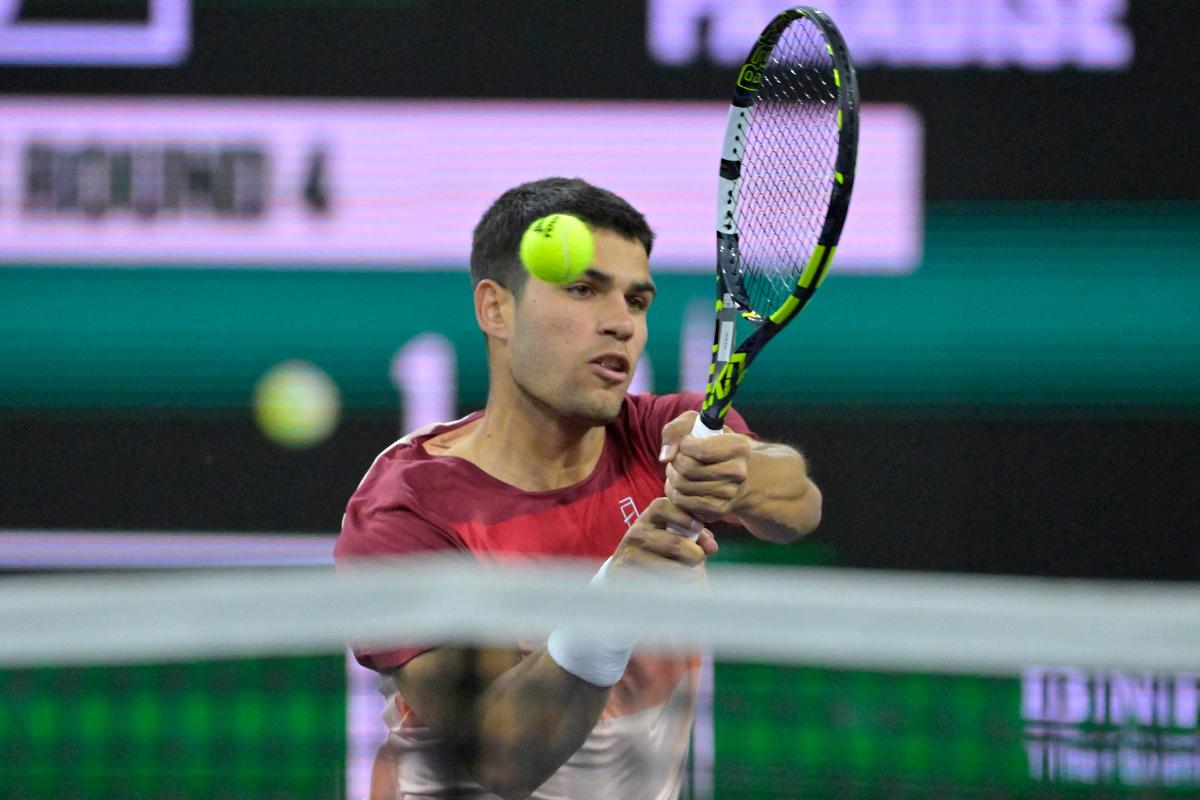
[613, 367]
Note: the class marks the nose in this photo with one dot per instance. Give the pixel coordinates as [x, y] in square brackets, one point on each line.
[617, 322]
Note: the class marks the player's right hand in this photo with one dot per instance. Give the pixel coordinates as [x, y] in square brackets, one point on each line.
[649, 546]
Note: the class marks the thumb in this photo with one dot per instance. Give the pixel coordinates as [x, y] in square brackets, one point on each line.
[673, 433]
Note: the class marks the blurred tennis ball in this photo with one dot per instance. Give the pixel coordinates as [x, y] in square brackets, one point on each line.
[557, 248]
[296, 404]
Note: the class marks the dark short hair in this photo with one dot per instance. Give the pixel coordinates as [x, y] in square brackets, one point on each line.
[498, 235]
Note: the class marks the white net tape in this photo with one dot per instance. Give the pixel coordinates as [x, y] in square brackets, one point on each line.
[822, 617]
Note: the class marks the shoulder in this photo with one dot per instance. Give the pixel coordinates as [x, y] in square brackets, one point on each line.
[665, 405]
[640, 423]
[646, 414]
[659, 409]
[395, 509]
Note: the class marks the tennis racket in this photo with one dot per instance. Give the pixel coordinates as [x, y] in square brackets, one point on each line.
[787, 171]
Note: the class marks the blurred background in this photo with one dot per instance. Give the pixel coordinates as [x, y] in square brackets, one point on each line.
[228, 228]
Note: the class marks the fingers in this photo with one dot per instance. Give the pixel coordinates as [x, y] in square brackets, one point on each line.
[658, 549]
[707, 542]
[726, 446]
[708, 492]
[706, 477]
[648, 544]
[703, 507]
[719, 491]
[674, 432]
[724, 457]
[686, 470]
[662, 512]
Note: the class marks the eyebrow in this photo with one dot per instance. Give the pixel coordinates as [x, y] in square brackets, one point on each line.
[607, 280]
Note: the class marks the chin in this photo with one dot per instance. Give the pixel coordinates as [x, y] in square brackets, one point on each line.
[597, 410]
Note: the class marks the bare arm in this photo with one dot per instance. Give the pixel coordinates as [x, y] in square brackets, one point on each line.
[778, 502]
[512, 721]
[764, 487]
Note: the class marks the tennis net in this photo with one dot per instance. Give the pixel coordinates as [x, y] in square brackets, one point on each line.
[817, 682]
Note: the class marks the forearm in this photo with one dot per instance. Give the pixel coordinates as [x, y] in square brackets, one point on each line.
[526, 724]
[512, 721]
[509, 721]
[778, 502]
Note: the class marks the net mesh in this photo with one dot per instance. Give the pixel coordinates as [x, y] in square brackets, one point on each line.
[788, 166]
[815, 683]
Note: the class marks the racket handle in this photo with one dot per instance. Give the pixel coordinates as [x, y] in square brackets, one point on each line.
[702, 431]
[684, 532]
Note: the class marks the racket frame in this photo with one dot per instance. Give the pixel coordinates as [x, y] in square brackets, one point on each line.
[729, 366]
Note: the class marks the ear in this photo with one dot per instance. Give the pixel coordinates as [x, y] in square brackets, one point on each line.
[494, 309]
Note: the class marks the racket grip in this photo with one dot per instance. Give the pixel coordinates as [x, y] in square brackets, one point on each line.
[684, 532]
[701, 431]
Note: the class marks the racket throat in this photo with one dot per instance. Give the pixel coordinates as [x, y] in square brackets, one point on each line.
[721, 379]
[726, 330]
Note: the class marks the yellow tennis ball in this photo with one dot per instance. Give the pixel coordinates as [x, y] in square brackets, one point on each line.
[296, 404]
[557, 248]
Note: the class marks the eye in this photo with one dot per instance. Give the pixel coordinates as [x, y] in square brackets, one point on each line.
[638, 303]
[580, 290]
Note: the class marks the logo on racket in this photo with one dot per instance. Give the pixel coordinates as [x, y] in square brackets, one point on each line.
[752, 71]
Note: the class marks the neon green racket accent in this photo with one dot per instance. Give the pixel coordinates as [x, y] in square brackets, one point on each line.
[731, 375]
[837, 79]
[839, 177]
[828, 261]
[814, 270]
[786, 310]
[814, 264]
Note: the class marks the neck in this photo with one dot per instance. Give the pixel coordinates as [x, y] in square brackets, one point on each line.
[526, 444]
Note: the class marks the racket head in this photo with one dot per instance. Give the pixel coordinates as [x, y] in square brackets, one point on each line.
[787, 168]
[787, 173]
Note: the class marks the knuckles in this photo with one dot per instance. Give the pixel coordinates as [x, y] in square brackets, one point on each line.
[723, 447]
[735, 469]
[658, 512]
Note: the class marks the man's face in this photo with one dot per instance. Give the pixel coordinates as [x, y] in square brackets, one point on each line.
[574, 347]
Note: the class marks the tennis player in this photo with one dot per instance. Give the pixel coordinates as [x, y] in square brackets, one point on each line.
[561, 462]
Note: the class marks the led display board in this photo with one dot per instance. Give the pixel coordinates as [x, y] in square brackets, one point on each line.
[402, 183]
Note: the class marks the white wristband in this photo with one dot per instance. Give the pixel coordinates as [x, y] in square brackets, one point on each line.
[601, 664]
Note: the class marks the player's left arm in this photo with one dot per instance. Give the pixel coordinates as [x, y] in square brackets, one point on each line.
[762, 486]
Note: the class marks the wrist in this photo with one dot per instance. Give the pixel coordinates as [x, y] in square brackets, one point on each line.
[599, 661]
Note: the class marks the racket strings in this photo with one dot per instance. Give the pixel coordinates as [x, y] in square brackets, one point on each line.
[788, 166]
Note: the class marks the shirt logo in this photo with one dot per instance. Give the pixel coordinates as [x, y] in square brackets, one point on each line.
[629, 510]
